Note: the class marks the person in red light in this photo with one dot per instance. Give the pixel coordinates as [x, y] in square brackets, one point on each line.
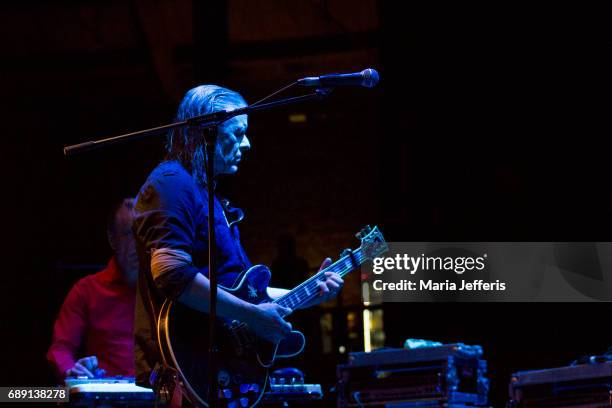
[97, 316]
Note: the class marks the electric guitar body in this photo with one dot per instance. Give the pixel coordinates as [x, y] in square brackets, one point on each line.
[243, 359]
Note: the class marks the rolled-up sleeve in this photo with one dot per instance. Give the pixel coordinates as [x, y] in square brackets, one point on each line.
[165, 219]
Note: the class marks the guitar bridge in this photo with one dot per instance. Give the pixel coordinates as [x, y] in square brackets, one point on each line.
[241, 337]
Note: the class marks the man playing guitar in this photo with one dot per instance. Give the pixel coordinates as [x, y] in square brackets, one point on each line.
[170, 228]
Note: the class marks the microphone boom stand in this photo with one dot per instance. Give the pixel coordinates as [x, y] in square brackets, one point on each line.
[208, 122]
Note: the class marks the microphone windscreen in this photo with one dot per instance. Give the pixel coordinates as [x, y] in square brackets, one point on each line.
[370, 78]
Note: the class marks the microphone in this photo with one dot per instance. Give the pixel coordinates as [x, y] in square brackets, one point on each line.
[367, 78]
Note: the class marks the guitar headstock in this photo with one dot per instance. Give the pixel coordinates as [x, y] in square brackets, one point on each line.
[372, 242]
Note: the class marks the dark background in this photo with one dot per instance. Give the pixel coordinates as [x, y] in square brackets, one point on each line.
[490, 123]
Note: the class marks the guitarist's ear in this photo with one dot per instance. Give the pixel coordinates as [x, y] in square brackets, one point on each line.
[111, 240]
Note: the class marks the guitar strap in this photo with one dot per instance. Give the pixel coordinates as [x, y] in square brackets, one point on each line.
[164, 377]
[177, 395]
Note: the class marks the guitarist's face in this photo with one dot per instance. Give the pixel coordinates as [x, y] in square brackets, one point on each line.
[232, 142]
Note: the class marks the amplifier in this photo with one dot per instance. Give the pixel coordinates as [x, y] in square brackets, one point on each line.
[447, 375]
[579, 386]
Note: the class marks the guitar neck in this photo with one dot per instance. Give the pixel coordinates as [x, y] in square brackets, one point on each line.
[309, 289]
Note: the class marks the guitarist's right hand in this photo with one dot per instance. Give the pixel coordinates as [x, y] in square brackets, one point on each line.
[267, 321]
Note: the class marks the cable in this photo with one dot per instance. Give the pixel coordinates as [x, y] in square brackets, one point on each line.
[274, 93]
[356, 398]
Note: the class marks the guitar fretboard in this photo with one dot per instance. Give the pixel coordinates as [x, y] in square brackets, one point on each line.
[309, 289]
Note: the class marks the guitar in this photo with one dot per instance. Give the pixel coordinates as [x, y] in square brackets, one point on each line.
[243, 359]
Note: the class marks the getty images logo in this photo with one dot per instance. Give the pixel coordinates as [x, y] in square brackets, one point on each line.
[412, 264]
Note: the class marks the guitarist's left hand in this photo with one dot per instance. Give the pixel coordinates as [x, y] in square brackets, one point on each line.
[330, 287]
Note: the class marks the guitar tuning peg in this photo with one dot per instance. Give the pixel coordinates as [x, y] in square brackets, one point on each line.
[364, 231]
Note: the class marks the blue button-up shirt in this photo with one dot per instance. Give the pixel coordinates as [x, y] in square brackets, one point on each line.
[171, 212]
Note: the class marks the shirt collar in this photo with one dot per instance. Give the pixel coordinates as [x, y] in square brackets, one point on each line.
[111, 273]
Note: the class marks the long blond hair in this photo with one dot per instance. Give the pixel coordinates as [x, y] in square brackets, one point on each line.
[187, 145]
